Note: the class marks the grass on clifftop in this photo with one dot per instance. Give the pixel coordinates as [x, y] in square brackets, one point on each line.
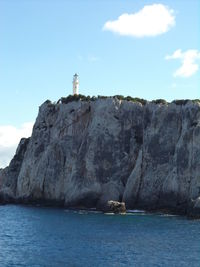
[70, 98]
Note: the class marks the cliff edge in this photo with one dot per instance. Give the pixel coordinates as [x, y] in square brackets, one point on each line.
[84, 153]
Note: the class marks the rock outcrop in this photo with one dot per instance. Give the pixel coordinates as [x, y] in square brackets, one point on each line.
[85, 153]
[116, 207]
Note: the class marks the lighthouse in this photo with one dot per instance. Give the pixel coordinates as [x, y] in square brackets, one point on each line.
[75, 84]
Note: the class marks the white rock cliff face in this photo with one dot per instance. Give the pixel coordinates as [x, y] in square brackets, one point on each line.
[86, 153]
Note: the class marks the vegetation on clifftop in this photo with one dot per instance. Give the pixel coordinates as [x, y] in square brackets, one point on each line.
[70, 98]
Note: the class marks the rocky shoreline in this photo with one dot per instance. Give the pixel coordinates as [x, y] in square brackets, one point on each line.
[190, 214]
[87, 152]
[164, 212]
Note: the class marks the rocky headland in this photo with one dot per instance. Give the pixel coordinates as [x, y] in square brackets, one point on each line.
[84, 152]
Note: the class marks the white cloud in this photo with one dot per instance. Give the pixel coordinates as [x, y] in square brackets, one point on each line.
[188, 60]
[9, 139]
[151, 20]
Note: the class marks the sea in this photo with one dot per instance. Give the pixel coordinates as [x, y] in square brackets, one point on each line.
[40, 236]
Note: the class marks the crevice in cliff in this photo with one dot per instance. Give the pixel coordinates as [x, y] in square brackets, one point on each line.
[85, 129]
[181, 128]
[140, 182]
[44, 179]
[176, 149]
[191, 163]
[142, 163]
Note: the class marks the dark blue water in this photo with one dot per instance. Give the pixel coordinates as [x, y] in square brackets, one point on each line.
[35, 236]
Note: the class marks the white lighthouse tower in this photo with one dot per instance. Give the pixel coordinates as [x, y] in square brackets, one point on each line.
[75, 84]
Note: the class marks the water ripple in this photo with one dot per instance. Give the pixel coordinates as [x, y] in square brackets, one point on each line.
[47, 237]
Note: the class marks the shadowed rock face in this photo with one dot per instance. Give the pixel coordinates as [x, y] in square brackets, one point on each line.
[87, 153]
[9, 175]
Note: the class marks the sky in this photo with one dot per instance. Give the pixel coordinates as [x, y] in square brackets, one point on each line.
[141, 48]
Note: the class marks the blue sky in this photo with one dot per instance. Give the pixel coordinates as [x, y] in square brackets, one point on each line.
[44, 42]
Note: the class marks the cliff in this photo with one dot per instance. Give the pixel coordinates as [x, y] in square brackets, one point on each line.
[84, 153]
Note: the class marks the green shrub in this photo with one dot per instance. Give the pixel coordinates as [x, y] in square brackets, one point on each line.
[160, 101]
[180, 102]
[196, 100]
[140, 100]
[70, 98]
[120, 97]
[132, 99]
[93, 98]
[102, 97]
